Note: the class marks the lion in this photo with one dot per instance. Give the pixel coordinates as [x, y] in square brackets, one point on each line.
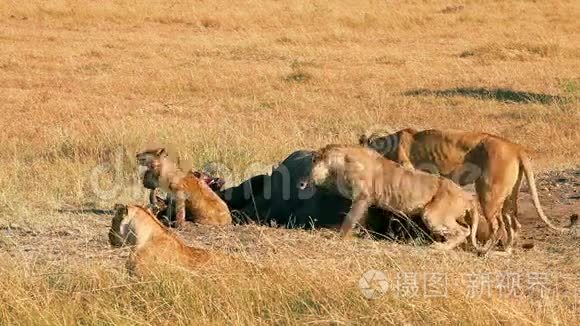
[494, 164]
[153, 244]
[189, 192]
[364, 176]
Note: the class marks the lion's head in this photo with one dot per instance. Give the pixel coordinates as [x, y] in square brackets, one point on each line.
[151, 158]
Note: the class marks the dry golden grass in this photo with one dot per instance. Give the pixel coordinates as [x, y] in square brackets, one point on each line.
[86, 83]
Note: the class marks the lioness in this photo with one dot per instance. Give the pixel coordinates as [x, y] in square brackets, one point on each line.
[190, 193]
[134, 225]
[367, 178]
[494, 164]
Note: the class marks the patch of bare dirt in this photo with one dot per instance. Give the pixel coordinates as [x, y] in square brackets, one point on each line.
[559, 193]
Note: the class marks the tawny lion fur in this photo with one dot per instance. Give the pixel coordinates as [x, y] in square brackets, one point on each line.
[494, 164]
[153, 244]
[189, 192]
[367, 178]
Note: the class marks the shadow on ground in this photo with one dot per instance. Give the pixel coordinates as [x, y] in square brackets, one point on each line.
[497, 94]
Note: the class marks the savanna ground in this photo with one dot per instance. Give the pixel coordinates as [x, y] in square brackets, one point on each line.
[86, 84]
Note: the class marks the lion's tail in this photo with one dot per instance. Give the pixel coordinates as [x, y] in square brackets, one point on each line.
[526, 166]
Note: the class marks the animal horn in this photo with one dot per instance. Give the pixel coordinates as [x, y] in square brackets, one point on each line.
[160, 151]
[365, 138]
[122, 209]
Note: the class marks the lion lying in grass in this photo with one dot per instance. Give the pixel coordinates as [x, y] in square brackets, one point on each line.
[154, 244]
[367, 178]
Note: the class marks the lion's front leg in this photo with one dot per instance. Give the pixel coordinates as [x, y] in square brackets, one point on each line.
[357, 211]
[180, 197]
[156, 203]
[454, 237]
[509, 228]
[404, 160]
[152, 198]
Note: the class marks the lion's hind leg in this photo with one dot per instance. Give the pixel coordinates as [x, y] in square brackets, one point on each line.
[497, 183]
[492, 200]
[510, 207]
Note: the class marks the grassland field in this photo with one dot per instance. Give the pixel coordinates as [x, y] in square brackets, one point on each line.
[86, 84]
